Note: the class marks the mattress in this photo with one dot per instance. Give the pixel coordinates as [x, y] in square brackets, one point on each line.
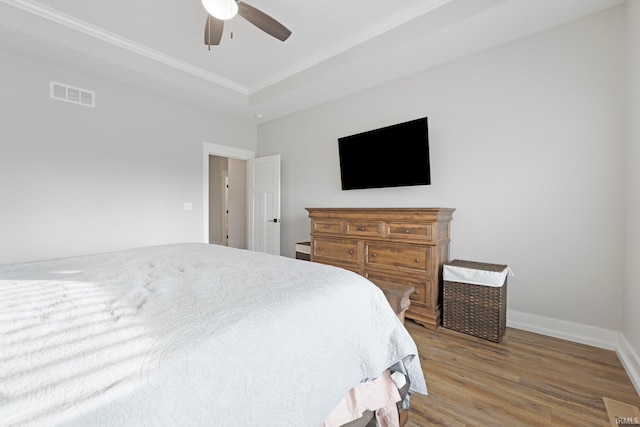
[190, 335]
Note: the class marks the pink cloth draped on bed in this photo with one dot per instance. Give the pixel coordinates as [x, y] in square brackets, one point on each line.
[379, 395]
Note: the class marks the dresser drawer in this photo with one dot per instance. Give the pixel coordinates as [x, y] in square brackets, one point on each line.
[423, 294]
[347, 266]
[414, 257]
[407, 231]
[333, 227]
[363, 228]
[338, 249]
[422, 288]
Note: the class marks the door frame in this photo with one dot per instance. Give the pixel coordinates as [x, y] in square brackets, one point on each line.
[211, 149]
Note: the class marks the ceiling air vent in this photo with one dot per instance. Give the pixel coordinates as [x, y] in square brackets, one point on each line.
[72, 94]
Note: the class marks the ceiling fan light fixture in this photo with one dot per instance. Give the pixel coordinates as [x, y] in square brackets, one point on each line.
[221, 9]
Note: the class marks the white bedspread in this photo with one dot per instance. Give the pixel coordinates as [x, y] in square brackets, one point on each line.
[189, 335]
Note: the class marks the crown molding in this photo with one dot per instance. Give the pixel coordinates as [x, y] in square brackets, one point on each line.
[99, 33]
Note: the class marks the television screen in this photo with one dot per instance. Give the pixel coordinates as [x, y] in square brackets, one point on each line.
[391, 156]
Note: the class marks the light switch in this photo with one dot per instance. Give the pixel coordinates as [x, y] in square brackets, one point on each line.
[188, 206]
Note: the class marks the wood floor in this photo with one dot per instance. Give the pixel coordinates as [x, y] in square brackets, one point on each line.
[526, 380]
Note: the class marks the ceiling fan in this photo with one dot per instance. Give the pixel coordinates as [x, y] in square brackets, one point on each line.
[222, 10]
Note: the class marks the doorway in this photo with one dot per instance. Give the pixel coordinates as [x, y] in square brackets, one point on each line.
[261, 221]
[227, 202]
[237, 217]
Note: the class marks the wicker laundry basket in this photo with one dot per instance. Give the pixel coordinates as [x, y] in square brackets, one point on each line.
[478, 308]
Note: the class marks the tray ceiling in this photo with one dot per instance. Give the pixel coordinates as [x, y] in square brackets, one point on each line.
[336, 47]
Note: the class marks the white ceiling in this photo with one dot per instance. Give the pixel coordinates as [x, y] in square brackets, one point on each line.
[336, 47]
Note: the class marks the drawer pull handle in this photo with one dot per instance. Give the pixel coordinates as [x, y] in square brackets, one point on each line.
[326, 226]
[417, 259]
[351, 251]
[319, 248]
[362, 228]
[407, 231]
[373, 254]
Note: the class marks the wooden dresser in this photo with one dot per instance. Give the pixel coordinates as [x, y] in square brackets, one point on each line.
[388, 246]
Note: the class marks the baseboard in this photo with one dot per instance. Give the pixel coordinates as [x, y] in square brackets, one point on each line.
[575, 332]
[583, 334]
[630, 361]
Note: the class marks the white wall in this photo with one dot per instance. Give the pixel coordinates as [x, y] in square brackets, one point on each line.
[631, 330]
[77, 180]
[527, 143]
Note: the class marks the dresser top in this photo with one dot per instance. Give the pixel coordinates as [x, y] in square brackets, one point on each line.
[382, 213]
[380, 209]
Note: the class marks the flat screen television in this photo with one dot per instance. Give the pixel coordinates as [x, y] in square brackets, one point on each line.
[392, 156]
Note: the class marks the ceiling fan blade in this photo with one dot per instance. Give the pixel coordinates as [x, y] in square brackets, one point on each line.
[263, 21]
[213, 31]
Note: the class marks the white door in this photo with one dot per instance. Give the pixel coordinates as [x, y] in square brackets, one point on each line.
[263, 204]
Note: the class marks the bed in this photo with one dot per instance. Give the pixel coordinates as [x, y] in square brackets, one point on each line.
[190, 335]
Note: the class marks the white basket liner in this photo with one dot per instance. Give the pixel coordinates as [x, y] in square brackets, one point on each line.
[474, 276]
